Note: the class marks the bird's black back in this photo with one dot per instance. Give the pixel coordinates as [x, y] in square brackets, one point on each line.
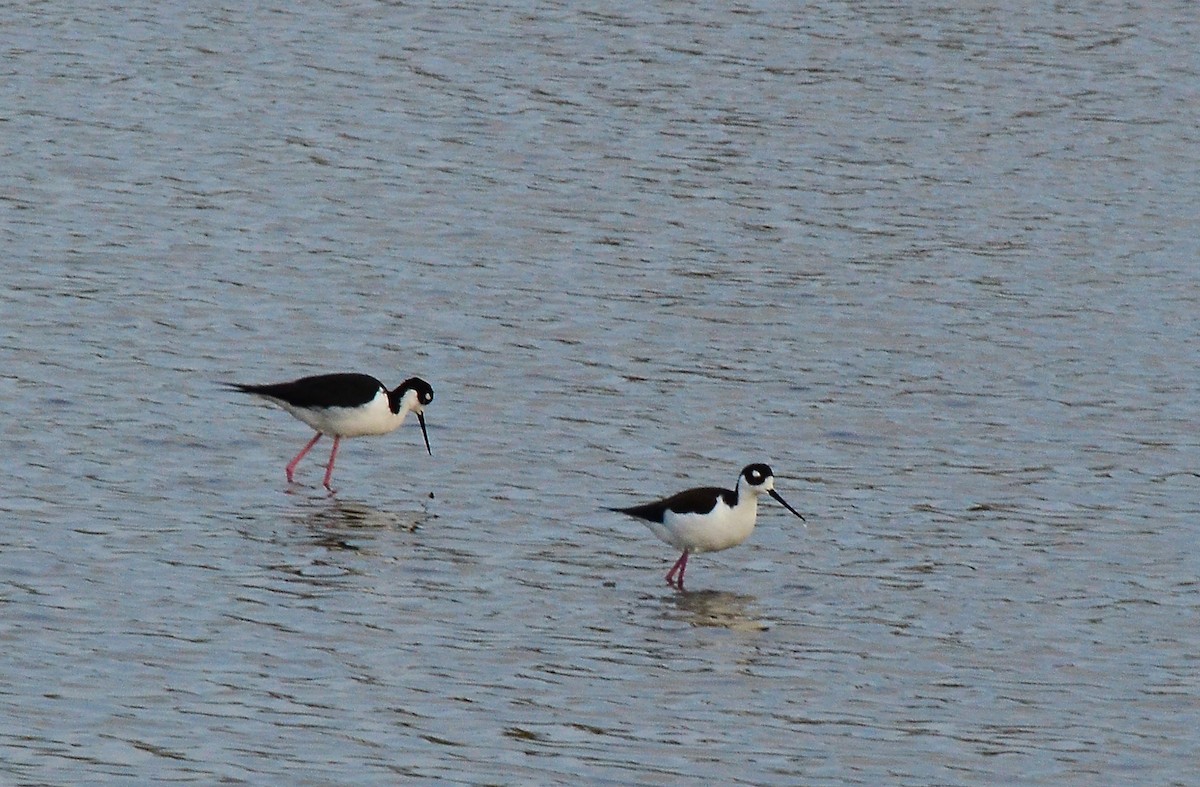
[346, 389]
[700, 500]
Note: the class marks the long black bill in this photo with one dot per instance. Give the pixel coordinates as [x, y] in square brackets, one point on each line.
[421, 420]
[784, 503]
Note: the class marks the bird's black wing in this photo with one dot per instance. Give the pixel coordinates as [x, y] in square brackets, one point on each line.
[694, 501]
[324, 390]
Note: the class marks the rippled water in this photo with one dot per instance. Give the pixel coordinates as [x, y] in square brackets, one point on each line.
[935, 264]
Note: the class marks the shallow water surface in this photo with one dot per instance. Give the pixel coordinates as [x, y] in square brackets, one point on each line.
[935, 265]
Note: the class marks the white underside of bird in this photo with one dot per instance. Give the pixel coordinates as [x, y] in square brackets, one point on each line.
[721, 528]
[373, 418]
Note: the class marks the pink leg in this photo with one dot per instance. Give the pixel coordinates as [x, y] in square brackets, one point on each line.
[332, 455]
[291, 468]
[679, 566]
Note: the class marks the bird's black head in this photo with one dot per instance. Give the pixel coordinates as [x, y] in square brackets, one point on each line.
[423, 390]
[422, 394]
[759, 478]
[756, 475]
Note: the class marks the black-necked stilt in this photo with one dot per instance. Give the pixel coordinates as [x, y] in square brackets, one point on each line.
[708, 519]
[345, 405]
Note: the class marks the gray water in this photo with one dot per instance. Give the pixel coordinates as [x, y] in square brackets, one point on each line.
[936, 264]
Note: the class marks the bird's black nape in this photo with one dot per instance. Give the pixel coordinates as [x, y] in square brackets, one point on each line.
[757, 473]
[424, 390]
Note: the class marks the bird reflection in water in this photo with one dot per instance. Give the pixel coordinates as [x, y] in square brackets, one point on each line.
[719, 609]
[349, 514]
[337, 523]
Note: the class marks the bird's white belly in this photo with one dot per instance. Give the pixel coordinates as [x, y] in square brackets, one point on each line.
[708, 533]
[375, 417]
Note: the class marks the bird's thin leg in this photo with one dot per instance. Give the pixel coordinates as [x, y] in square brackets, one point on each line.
[332, 456]
[291, 468]
[679, 566]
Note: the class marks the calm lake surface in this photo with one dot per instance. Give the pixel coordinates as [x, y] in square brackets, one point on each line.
[936, 264]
